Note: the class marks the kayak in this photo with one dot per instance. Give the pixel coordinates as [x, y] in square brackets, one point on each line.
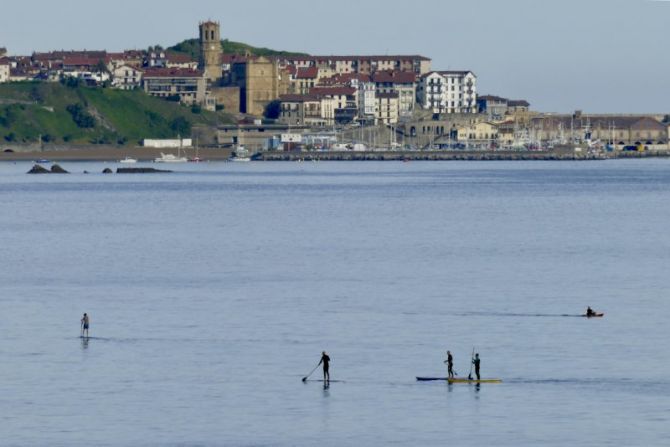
[458, 380]
[595, 315]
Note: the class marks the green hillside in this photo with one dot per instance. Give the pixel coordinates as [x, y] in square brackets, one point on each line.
[192, 48]
[82, 115]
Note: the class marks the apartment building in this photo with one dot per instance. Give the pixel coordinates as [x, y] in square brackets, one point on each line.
[401, 82]
[361, 64]
[448, 91]
[302, 79]
[388, 106]
[189, 85]
[126, 77]
[306, 110]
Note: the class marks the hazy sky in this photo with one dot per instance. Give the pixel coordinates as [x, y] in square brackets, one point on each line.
[561, 55]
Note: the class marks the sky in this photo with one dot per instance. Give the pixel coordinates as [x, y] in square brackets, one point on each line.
[600, 56]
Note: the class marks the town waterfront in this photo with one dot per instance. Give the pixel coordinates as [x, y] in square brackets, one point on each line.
[213, 290]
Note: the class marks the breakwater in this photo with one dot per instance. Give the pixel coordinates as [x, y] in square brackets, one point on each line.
[448, 155]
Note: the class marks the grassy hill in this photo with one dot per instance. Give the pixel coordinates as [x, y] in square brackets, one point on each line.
[192, 48]
[84, 115]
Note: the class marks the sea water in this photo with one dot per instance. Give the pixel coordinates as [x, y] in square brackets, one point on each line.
[213, 290]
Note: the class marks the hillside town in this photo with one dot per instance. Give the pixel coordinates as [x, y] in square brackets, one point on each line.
[341, 102]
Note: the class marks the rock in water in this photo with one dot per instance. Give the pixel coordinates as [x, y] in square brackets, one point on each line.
[56, 169]
[107, 171]
[38, 169]
[139, 170]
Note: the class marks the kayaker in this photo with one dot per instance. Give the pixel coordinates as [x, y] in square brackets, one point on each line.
[450, 364]
[84, 324]
[476, 362]
[326, 366]
[589, 312]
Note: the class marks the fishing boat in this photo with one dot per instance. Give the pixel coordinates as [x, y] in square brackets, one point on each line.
[458, 380]
[128, 160]
[170, 158]
[240, 154]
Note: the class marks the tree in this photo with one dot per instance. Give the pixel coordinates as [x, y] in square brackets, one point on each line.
[101, 67]
[181, 126]
[273, 110]
[70, 81]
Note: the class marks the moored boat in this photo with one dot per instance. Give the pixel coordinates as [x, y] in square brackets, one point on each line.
[240, 154]
[170, 158]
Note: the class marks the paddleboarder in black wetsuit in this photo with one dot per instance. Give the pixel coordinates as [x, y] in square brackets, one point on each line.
[85, 321]
[589, 312]
[450, 364]
[326, 365]
[476, 362]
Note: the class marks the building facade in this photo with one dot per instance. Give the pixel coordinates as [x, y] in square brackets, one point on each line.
[126, 77]
[401, 82]
[4, 70]
[210, 50]
[260, 81]
[448, 92]
[189, 85]
[388, 107]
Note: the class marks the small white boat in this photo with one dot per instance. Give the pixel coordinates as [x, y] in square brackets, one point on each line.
[240, 154]
[170, 158]
[128, 160]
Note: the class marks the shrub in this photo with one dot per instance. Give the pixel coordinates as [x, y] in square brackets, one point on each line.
[80, 116]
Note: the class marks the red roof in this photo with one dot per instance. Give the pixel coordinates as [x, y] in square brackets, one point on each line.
[179, 58]
[172, 73]
[344, 79]
[394, 77]
[307, 73]
[81, 61]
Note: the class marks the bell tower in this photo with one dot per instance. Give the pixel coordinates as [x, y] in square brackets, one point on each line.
[210, 49]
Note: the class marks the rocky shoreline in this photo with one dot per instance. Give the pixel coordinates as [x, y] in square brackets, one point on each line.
[114, 154]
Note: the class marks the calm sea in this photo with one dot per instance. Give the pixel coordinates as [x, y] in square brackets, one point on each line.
[213, 290]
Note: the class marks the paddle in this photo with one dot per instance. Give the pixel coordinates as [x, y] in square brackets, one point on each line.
[471, 363]
[304, 379]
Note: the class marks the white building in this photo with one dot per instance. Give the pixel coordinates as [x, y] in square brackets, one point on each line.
[126, 77]
[367, 98]
[448, 92]
[4, 70]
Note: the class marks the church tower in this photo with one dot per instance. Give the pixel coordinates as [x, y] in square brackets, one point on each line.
[210, 49]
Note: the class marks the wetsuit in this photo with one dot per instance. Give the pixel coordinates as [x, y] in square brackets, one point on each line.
[476, 363]
[450, 365]
[326, 365]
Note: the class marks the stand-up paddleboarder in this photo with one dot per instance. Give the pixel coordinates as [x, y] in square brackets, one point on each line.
[476, 361]
[450, 364]
[85, 321]
[326, 365]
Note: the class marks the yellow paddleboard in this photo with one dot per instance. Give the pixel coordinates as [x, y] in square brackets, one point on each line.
[455, 380]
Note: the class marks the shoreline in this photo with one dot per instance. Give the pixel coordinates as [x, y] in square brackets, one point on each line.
[143, 154]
